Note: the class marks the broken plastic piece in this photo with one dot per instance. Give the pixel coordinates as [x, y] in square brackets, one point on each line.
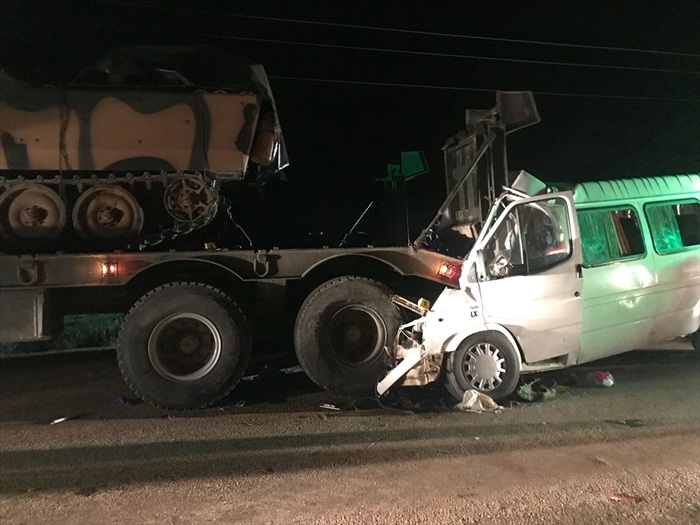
[121, 400]
[603, 378]
[67, 418]
[328, 407]
[526, 392]
[474, 401]
[624, 498]
[536, 391]
[627, 422]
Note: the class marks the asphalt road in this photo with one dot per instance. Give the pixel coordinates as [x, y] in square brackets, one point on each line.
[270, 454]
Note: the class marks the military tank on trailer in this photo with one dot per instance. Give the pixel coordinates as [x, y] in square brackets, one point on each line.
[143, 146]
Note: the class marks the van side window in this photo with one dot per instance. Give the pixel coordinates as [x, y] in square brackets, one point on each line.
[532, 238]
[674, 226]
[609, 235]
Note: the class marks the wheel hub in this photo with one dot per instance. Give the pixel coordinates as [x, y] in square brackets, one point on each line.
[31, 211]
[188, 344]
[484, 366]
[355, 335]
[109, 216]
[107, 212]
[184, 347]
[33, 216]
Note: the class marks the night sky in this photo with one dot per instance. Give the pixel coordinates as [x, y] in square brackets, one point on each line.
[347, 107]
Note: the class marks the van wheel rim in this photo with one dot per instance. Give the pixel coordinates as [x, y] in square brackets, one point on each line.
[484, 366]
[184, 347]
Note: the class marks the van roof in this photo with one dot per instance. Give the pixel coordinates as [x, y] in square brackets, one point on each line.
[613, 190]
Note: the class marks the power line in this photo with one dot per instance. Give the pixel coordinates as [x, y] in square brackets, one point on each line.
[461, 88]
[394, 51]
[412, 31]
[470, 57]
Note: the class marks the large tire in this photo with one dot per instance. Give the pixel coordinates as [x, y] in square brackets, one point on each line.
[486, 362]
[341, 331]
[183, 346]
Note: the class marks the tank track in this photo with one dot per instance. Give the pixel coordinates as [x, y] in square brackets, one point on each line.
[156, 207]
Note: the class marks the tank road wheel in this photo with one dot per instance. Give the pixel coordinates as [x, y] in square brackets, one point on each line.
[341, 331]
[31, 211]
[183, 346]
[107, 213]
[486, 362]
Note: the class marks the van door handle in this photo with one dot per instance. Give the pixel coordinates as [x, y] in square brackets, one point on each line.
[579, 271]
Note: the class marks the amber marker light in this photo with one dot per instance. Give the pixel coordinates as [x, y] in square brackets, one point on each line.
[110, 270]
[449, 272]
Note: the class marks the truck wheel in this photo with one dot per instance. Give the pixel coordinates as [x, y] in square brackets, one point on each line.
[695, 340]
[183, 346]
[341, 331]
[486, 362]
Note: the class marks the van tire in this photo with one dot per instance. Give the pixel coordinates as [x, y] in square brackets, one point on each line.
[695, 340]
[498, 351]
[341, 331]
[183, 345]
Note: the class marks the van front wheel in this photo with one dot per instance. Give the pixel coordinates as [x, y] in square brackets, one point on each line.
[486, 362]
[695, 340]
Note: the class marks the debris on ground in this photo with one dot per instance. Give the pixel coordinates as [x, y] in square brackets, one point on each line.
[267, 371]
[474, 401]
[86, 491]
[128, 401]
[410, 400]
[602, 378]
[624, 498]
[66, 418]
[322, 416]
[634, 423]
[328, 406]
[526, 392]
[371, 445]
[537, 391]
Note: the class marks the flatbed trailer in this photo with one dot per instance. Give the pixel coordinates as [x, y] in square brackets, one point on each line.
[177, 297]
[191, 317]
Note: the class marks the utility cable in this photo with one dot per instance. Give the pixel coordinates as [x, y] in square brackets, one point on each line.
[461, 88]
[470, 57]
[395, 51]
[411, 31]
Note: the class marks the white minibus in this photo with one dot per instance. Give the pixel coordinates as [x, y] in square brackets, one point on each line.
[559, 277]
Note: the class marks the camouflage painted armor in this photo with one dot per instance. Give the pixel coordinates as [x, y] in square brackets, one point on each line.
[138, 148]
